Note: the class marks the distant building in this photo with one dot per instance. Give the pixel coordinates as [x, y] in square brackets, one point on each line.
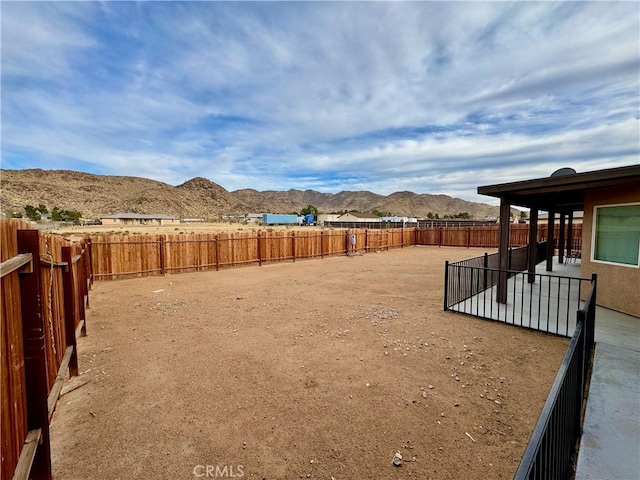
[253, 218]
[327, 217]
[358, 217]
[399, 219]
[126, 219]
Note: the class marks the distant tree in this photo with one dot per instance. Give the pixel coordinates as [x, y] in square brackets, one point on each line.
[430, 216]
[56, 214]
[378, 213]
[309, 209]
[32, 213]
[14, 215]
[72, 215]
[523, 215]
[42, 209]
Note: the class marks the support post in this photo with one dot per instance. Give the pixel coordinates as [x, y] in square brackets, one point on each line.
[33, 334]
[533, 245]
[485, 263]
[561, 240]
[569, 246]
[551, 223]
[503, 250]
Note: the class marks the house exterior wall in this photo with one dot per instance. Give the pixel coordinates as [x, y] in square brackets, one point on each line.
[140, 221]
[349, 217]
[617, 285]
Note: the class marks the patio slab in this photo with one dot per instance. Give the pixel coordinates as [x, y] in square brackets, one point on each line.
[611, 432]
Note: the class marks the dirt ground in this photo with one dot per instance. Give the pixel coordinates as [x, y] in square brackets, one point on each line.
[319, 369]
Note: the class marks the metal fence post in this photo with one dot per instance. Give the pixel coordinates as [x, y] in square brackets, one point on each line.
[446, 284]
[485, 263]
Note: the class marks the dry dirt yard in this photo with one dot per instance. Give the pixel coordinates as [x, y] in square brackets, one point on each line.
[316, 369]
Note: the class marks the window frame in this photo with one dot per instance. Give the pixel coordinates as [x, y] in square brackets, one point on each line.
[594, 230]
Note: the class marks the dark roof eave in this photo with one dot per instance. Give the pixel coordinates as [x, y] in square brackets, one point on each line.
[564, 191]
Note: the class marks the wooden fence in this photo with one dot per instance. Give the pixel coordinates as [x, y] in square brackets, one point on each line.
[45, 283]
[128, 256]
[487, 236]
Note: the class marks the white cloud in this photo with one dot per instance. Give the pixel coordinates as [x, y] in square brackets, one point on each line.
[378, 96]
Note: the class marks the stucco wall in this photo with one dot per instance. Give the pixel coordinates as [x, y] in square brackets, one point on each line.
[618, 287]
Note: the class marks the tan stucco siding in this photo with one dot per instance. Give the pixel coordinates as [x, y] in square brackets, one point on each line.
[110, 221]
[618, 286]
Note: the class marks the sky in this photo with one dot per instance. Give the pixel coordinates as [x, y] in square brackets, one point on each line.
[429, 97]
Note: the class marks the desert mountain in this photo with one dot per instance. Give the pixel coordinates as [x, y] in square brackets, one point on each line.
[96, 195]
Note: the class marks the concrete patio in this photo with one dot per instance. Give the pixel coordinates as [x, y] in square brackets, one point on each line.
[610, 443]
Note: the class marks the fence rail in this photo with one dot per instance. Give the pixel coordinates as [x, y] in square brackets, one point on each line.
[45, 283]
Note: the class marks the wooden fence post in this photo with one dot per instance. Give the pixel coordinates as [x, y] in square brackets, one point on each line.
[293, 245]
[321, 244]
[259, 251]
[35, 361]
[346, 241]
[70, 308]
[161, 254]
[468, 237]
[90, 245]
[86, 274]
[216, 243]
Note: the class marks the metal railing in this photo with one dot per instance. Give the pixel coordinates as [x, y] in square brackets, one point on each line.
[538, 301]
[551, 449]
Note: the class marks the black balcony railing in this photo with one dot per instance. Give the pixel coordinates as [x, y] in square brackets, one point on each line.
[551, 450]
[534, 300]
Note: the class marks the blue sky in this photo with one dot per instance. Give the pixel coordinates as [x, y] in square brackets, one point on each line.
[429, 97]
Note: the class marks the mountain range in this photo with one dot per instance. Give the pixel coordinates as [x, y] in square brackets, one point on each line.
[97, 195]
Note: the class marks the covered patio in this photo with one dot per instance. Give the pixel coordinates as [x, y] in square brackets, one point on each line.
[561, 195]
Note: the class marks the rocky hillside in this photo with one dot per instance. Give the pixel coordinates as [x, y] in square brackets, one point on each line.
[96, 195]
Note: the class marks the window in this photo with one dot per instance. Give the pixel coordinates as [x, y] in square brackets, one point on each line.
[617, 234]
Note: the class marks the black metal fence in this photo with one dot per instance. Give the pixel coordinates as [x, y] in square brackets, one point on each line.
[548, 303]
[551, 449]
[466, 279]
